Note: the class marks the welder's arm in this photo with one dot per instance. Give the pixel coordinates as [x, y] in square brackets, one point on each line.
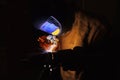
[72, 59]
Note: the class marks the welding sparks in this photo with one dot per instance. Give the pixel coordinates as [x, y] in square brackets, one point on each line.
[51, 48]
[48, 43]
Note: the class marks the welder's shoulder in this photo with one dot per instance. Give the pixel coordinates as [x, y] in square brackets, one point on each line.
[92, 23]
[95, 25]
[97, 30]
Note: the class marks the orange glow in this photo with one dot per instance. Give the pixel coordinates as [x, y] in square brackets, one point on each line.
[47, 45]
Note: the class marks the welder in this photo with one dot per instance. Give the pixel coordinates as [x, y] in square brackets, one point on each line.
[74, 48]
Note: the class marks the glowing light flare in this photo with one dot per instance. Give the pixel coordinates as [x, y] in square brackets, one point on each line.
[48, 43]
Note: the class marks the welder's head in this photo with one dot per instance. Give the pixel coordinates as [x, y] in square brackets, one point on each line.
[62, 10]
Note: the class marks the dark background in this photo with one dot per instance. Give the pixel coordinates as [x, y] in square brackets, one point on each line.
[17, 30]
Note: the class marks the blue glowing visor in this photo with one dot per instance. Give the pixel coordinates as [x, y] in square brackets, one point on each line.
[51, 26]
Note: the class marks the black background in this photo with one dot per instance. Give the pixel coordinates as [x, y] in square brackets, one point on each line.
[17, 31]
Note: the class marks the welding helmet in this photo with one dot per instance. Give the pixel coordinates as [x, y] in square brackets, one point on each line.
[50, 25]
